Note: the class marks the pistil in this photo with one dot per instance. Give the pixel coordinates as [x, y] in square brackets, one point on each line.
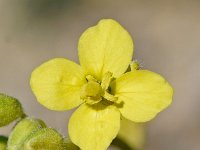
[94, 91]
[91, 92]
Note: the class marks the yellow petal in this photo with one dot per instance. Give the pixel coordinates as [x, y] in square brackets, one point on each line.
[105, 47]
[142, 94]
[94, 127]
[56, 84]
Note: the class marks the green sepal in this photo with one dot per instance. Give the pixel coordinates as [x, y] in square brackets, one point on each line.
[10, 109]
[45, 139]
[22, 131]
[3, 142]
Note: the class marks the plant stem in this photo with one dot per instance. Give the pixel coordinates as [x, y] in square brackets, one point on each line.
[121, 144]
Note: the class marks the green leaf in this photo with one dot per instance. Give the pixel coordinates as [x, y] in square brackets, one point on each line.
[10, 109]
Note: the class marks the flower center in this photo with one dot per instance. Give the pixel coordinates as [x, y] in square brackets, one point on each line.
[94, 91]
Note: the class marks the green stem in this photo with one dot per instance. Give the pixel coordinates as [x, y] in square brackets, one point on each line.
[121, 144]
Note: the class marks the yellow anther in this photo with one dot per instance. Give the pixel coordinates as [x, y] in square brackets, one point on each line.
[134, 66]
[91, 78]
[109, 97]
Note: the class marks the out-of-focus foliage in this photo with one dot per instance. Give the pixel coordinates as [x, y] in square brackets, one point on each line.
[3, 142]
[133, 134]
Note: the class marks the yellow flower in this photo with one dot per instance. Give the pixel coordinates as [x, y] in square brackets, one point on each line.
[100, 86]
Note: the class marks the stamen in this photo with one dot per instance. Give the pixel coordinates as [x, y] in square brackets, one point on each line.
[91, 101]
[109, 97]
[106, 80]
[91, 78]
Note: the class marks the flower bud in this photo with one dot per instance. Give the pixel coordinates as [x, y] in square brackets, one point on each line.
[45, 139]
[22, 131]
[10, 109]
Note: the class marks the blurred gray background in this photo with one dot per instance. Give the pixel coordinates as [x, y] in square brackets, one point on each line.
[167, 41]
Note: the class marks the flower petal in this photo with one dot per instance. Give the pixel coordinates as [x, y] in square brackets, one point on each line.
[142, 94]
[105, 47]
[57, 83]
[94, 127]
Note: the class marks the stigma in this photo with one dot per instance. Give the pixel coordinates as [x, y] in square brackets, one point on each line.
[95, 91]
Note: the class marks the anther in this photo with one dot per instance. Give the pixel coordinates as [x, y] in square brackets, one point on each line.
[134, 65]
[91, 78]
[109, 97]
